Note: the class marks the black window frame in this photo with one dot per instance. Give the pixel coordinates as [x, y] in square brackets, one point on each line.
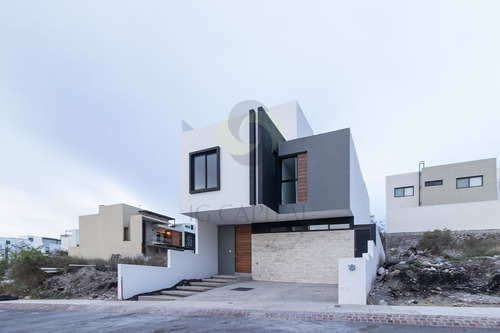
[434, 183]
[468, 182]
[205, 152]
[291, 180]
[403, 188]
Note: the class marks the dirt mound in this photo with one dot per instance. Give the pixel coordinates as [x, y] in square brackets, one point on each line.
[417, 277]
[86, 282]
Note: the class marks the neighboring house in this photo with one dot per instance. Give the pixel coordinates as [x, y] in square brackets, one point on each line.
[46, 244]
[129, 231]
[460, 196]
[286, 204]
[69, 238]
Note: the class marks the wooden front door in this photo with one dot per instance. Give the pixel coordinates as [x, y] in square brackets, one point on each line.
[243, 240]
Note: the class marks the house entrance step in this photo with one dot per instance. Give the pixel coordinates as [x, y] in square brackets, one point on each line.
[195, 288]
[225, 277]
[220, 281]
[158, 298]
[207, 284]
[179, 293]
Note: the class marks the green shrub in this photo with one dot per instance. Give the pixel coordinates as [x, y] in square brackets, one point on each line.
[4, 262]
[477, 247]
[25, 263]
[436, 241]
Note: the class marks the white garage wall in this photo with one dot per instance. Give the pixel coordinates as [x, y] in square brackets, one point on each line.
[135, 279]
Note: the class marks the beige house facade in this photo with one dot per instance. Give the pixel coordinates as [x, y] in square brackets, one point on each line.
[459, 196]
[128, 231]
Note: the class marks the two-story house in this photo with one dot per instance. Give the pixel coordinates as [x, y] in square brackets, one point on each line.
[287, 204]
[459, 196]
[129, 231]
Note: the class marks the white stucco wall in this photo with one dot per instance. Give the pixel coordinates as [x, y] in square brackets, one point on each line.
[134, 279]
[290, 120]
[234, 174]
[359, 199]
[463, 216]
[354, 285]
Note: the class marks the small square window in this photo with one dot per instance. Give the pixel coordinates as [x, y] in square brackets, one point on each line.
[476, 181]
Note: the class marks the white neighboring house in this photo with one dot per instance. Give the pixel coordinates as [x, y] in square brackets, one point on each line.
[45, 244]
[459, 196]
[70, 238]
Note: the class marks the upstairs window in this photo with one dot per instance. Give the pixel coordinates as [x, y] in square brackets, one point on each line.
[434, 183]
[289, 180]
[403, 191]
[465, 182]
[204, 170]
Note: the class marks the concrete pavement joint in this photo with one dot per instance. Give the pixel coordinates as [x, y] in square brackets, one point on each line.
[382, 318]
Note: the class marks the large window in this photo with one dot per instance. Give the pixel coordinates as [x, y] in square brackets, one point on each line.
[289, 180]
[204, 167]
[403, 191]
[465, 182]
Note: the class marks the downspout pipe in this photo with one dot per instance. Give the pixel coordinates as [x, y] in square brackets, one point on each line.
[421, 166]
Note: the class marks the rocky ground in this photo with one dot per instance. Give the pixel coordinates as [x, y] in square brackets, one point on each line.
[416, 277]
[97, 282]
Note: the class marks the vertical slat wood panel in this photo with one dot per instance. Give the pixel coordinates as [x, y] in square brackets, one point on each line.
[302, 187]
[243, 238]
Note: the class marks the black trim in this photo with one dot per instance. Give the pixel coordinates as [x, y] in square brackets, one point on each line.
[252, 157]
[191, 170]
[362, 234]
[295, 226]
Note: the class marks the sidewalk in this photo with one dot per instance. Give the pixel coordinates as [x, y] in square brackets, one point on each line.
[280, 300]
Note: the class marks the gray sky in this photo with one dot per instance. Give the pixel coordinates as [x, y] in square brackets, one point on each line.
[92, 92]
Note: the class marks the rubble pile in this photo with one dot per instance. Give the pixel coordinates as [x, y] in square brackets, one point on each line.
[418, 277]
[96, 282]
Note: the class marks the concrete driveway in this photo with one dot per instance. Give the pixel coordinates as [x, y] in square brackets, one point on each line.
[253, 295]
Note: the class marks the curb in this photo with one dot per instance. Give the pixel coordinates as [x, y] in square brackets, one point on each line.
[389, 318]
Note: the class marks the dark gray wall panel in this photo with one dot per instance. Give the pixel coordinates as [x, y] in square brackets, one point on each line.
[269, 180]
[328, 170]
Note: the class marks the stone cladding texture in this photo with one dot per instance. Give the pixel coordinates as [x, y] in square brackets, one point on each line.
[310, 257]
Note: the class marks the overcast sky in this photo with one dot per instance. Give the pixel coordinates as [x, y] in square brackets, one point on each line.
[92, 93]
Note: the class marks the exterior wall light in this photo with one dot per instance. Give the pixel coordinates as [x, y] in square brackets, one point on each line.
[352, 267]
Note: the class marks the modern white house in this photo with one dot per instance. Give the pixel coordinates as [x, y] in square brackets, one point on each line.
[70, 238]
[286, 204]
[46, 244]
[130, 231]
[459, 196]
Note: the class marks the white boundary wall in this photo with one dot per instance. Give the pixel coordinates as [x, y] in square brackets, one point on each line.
[355, 285]
[463, 216]
[136, 279]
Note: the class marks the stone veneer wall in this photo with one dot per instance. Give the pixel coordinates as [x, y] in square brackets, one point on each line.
[310, 257]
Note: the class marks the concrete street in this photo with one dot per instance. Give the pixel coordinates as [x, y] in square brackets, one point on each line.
[264, 306]
[69, 321]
